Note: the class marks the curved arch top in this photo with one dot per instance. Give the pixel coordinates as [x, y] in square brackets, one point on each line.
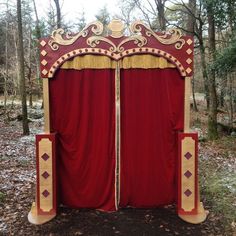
[61, 46]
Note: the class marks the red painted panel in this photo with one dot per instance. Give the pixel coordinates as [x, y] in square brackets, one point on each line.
[51, 137]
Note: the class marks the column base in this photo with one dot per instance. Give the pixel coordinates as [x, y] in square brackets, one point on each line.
[37, 219]
[196, 218]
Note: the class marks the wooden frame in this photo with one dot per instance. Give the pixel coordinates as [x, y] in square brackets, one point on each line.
[171, 45]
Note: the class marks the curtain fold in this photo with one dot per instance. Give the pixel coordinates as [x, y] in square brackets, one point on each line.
[82, 112]
[152, 111]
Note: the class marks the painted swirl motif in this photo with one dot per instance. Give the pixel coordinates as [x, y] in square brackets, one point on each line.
[60, 38]
[139, 34]
[172, 36]
[93, 41]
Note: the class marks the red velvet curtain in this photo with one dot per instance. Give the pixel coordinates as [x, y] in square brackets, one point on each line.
[82, 112]
[152, 111]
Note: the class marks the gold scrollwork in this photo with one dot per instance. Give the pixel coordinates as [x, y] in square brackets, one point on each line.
[60, 38]
[93, 41]
[172, 36]
[139, 33]
[139, 40]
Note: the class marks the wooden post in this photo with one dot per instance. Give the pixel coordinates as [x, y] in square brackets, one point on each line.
[46, 106]
[187, 104]
[190, 209]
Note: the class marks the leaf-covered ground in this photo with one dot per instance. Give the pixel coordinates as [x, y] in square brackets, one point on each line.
[17, 191]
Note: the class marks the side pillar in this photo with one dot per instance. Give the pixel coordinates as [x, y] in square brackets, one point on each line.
[190, 209]
[45, 207]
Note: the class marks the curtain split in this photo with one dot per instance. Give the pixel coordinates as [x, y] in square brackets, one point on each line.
[117, 129]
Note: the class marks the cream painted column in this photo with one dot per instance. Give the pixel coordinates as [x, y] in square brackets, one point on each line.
[187, 104]
[46, 106]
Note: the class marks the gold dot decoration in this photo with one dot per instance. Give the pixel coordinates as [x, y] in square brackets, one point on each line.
[188, 70]
[44, 62]
[43, 53]
[189, 51]
[43, 43]
[189, 41]
[44, 72]
[189, 60]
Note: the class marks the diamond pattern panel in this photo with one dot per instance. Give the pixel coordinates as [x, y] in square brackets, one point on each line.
[188, 174]
[45, 157]
[45, 193]
[45, 175]
[187, 192]
[188, 155]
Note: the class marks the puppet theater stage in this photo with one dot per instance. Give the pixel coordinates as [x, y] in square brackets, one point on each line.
[116, 128]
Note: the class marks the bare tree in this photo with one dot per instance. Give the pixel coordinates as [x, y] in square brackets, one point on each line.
[6, 61]
[58, 10]
[160, 5]
[20, 49]
[212, 117]
[191, 28]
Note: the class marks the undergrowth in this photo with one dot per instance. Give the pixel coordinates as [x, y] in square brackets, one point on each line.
[2, 197]
[218, 184]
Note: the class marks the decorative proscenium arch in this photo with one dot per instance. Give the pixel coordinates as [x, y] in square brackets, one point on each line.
[171, 45]
[97, 51]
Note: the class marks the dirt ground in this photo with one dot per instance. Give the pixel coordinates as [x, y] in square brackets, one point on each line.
[17, 191]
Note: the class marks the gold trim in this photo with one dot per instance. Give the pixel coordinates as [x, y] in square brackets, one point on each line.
[187, 104]
[117, 135]
[103, 62]
[46, 106]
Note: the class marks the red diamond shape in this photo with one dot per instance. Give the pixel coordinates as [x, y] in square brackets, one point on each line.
[45, 175]
[188, 155]
[45, 193]
[187, 192]
[45, 156]
[188, 174]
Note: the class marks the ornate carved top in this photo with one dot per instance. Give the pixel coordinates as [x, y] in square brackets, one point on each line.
[171, 44]
[117, 28]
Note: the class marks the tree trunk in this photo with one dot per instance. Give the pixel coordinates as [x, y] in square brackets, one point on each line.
[30, 72]
[204, 71]
[38, 36]
[231, 107]
[22, 71]
[6, 61]
[160, 4]
[190, 30]
[58, 9]
[193, 93]
[212, 116]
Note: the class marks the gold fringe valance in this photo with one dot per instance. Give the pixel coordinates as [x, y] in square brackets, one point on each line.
[104, 62]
